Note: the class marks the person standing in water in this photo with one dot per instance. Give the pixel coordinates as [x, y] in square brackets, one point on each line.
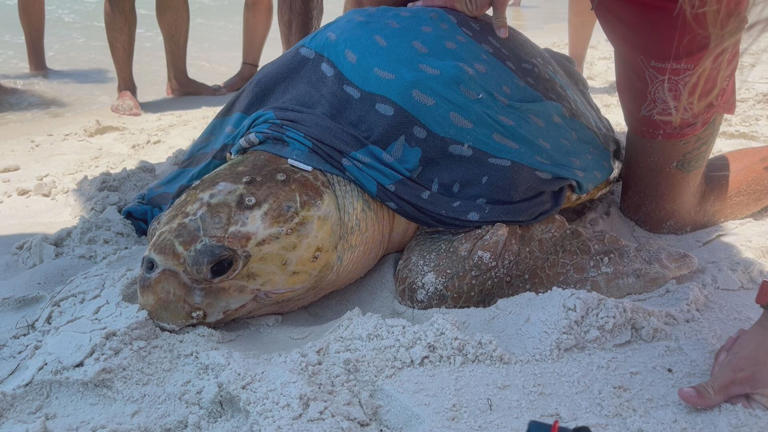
[173, 19]
[257, 19]
[32, 18]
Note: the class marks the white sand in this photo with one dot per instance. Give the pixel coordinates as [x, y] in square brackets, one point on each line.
[76, 353]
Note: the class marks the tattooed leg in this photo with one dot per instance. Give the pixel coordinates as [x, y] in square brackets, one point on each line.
[698, 148]
[673, 186]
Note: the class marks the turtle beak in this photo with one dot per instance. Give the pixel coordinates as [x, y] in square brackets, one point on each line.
[166, 298]
[173, 302]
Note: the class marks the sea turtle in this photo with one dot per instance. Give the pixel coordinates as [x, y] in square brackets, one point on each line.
[259, 236]
[265, 233]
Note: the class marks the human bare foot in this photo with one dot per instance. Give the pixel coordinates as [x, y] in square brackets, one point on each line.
[42, 72]
[189, 87]
[126, 104]
[238, 80]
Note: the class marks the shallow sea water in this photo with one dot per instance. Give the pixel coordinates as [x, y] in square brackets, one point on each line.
[83, 76]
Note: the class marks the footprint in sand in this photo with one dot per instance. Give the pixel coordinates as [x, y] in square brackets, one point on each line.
[9, 168]
[98, 129]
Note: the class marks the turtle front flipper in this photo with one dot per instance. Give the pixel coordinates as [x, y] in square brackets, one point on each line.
[476, 268]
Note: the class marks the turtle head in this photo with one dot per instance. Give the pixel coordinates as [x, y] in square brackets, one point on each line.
[241, 244]
[201, 288]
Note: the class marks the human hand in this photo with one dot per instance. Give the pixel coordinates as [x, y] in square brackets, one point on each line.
[739, 374]
[474, 8]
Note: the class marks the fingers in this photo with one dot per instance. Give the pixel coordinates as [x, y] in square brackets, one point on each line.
[472, 8]
[467, 7]
[738, 375]
[722, 353]
[759, 400]
[702, 395]
[451, 4]
[719, 388]
[722, 385]
[742, 401]
[500, 17]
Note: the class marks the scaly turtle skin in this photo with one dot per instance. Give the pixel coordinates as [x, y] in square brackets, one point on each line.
[258, 236]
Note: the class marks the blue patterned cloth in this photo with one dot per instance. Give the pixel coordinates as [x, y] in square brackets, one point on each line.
[427, 110]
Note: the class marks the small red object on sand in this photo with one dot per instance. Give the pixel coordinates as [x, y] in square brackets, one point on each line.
[762, 294]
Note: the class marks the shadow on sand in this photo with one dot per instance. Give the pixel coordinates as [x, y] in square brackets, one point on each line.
[101, 233]
[75, 76]
[184, 103]
[15, 99]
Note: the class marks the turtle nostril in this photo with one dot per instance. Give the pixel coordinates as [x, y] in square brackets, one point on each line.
[198, 315]
[148, 265]
[222, 267]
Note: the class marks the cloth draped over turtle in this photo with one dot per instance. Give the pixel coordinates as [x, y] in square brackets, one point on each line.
[426, 110]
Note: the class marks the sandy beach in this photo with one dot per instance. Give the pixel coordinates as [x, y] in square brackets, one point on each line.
[77, 353]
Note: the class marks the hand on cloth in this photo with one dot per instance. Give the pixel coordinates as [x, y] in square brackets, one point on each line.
[474, 8]
[739, 373]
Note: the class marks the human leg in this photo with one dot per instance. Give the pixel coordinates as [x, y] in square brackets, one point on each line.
[32, 17]
[298, 18]
[173, 19]
[581, 23]
[674, 186]
[673, 94]
[257, 18]
[669, 182]
[120, 24]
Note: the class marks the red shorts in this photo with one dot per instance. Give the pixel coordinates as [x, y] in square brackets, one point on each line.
[658, 54]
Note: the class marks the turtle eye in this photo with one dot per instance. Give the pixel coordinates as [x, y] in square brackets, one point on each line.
[148, 265]
[215, 262]
[221, 267]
